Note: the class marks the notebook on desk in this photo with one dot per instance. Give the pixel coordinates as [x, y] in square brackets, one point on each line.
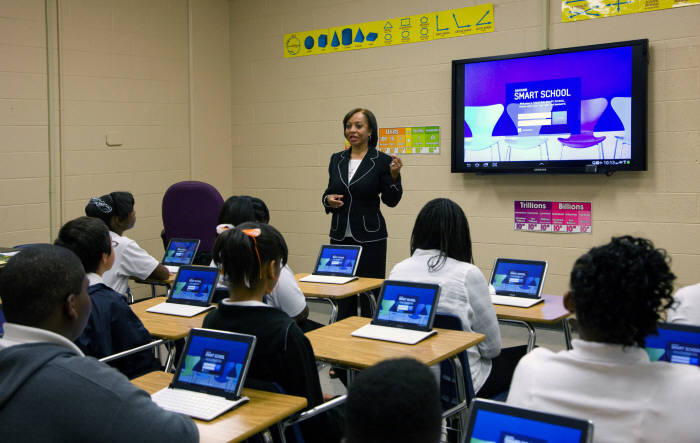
[192, 292]
[180, 251]
[518, 282]
[405, 313]
[492, 421]
[675, 343]
[336, 264]
[210, 375]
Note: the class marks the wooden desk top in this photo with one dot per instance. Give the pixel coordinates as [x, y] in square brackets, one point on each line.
[551, 310]
[334, 344]
[326, 290]
[262, 411]
[170, 327]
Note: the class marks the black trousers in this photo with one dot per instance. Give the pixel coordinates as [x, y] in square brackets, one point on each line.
[372, 264]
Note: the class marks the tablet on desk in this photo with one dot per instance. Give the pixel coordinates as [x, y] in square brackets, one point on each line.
[192, 292]
[518, 282]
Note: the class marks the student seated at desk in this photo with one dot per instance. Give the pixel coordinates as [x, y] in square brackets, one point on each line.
[393, 401]
[130, 260]
[49, 391]
[112, 326]
[253, 255]
[441, 252]
[686, 306]
[617, 291]
[286, 295]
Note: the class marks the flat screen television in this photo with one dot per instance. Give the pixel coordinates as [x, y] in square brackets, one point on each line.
[571, 110]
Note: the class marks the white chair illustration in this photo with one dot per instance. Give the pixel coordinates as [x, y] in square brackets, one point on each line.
[527, 141]
[623, 108]
[481, 121]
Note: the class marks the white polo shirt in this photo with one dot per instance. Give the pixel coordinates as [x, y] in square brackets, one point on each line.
[686, 308]
[627, 397]
[16, 334]
[130, 260]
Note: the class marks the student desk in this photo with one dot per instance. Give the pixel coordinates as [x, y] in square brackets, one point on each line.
[335, 345]
[550, 311]
[331, 293]
[168, 327]
[265, 409]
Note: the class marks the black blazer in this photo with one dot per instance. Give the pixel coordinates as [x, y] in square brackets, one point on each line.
[361, 195]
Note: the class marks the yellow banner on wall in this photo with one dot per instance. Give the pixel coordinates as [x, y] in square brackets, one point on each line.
[394, 31]
[574, 10]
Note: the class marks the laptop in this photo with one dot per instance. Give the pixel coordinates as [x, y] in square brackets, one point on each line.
[518, 282]
[210, 375]
[180, 251]
[675, 343]
[192, 292]
[405, 313]
[493, 421]
[336, 264]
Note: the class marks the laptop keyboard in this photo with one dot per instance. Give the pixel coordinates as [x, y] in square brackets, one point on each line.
[194, 404]
[508, 300]
[178, 309]
[172, 269]
[388, 333]
[332, 279]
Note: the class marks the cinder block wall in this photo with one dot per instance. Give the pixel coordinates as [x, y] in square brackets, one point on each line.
[286, 121]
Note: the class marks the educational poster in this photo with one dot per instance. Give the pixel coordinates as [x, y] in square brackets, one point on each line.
[558, 217]
[394, 31]
[574, 10]
[414, 140]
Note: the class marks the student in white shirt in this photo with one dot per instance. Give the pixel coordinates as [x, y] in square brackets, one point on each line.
[286, 296]
[116, 209]
[686, 306]
[441, 252]
[618, 292]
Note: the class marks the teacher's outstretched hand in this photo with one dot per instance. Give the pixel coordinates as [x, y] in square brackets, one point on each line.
[358, 178]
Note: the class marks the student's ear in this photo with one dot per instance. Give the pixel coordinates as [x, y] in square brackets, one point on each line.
[271, 272]
[70, 307]
[569, 302]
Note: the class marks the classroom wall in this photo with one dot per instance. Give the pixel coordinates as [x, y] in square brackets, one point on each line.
[286, 121]
[151, 74]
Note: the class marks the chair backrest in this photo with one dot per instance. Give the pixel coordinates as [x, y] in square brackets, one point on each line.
[623, 108]
[482, 119]
[292, 433]
[513, 110]
[29, 245]
[591, 110]
[190, 210]
[448, 386]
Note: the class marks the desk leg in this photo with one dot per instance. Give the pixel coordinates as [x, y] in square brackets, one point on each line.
[528, 326]
[372, 301]
[334, 307]
[171, 356]
[280, 428]
[567, 332]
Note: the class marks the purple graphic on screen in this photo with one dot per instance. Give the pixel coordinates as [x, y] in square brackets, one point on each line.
[553, 85]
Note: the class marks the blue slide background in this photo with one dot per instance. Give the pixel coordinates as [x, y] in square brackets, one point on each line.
[656, 345]
[349, 257]
[422, 308]
[192, 369]
[534, 275]
[186, 274]
[489, 426]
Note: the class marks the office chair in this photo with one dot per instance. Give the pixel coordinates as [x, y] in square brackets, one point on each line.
[191, 210]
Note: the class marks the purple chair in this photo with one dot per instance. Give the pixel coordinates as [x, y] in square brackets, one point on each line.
[191, 210]
[591, 110]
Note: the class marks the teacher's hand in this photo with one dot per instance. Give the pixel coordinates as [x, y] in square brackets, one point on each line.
[334, 200]
[395, 167]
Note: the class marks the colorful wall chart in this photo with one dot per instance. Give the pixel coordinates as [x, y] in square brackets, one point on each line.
[574, 10]
[560, 217]
[414, 140]
[394, 31]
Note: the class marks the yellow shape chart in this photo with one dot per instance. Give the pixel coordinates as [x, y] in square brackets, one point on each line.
[394, 31]
[575, 10]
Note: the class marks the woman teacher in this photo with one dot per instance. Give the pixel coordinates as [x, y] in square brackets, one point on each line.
[357, 177]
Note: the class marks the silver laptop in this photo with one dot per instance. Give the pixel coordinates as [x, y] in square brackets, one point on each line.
[518, 282]
[336, 264]
[180, 252]
[405, 313]
[192, 292]
[210, 375]
[493, 421]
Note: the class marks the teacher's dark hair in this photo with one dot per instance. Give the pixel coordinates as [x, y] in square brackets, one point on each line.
[620, 289]
[243, 208]
[442, 225]
[371, 120]
[235, 252]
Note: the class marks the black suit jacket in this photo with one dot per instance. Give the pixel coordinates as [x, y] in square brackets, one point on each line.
[361, 195]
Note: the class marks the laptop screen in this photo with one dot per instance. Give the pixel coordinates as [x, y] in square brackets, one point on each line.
[521, 278]
[494, 422]
[180, 252]
[405, 304]
[338, 260]
[194, 284]
[214, 362]
[675, 343]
